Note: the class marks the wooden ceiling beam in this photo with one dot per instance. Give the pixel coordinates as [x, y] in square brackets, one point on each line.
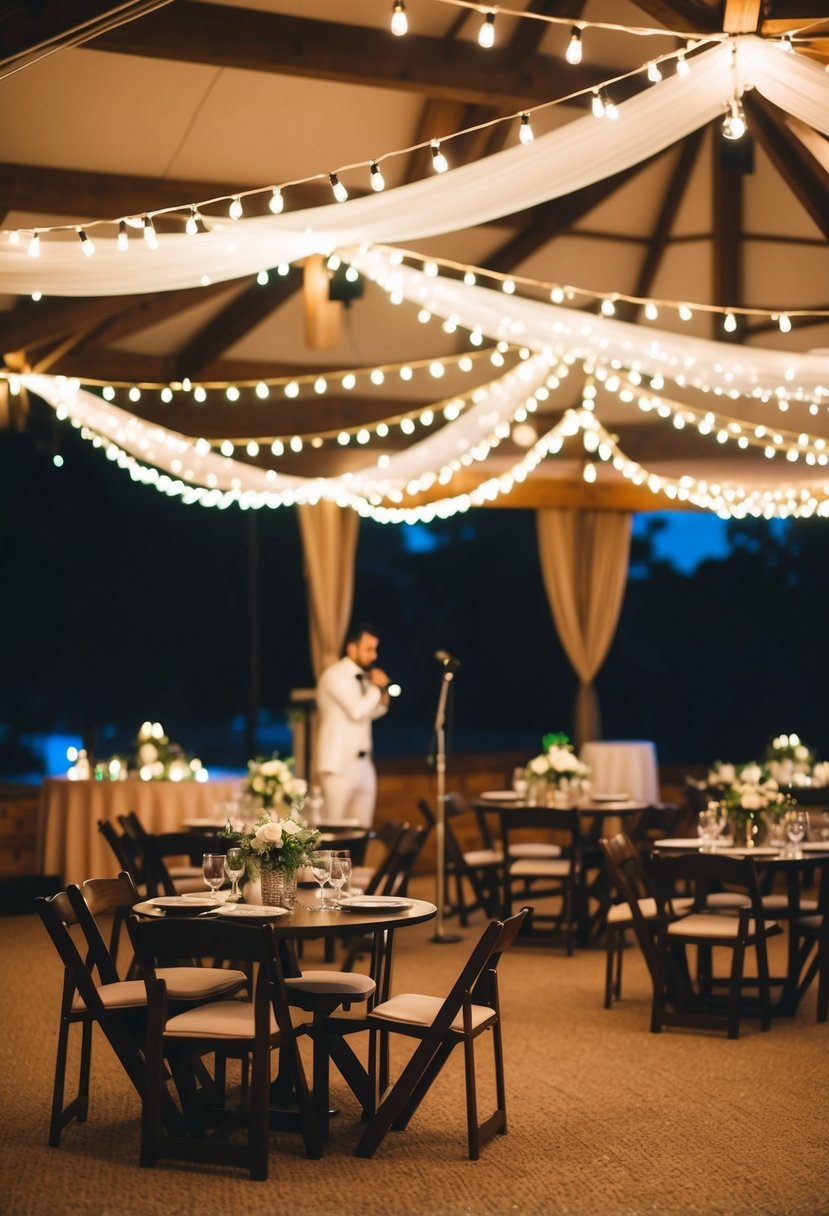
[787, 143]
[252, 40]
[695, 16]
[242, 314]
[742, 16]
[555, 217]
[30, 31]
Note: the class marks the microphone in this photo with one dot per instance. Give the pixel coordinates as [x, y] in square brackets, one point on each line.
[448, 660]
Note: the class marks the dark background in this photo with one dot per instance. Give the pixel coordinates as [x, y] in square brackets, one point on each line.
[119, 604]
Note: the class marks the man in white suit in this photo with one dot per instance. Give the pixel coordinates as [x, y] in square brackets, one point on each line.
[350, 695]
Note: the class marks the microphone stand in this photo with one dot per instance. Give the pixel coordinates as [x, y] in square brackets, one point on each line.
[440, 817]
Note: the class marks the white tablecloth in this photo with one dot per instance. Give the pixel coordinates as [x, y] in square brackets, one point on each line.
[624, 766]
[69, 843]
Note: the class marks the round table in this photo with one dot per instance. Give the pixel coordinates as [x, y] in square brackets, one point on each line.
[624, 766]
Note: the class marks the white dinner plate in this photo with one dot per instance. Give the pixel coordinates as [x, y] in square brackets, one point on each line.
[199, 897]
[679, 842]
[204, 821]
[757, 850]
[815, 846]
[184, 903]
[502, 796]
[610, 797]
[257, 911]
[374, 903]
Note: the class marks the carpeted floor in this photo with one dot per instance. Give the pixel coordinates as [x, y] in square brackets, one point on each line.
[604, 1117]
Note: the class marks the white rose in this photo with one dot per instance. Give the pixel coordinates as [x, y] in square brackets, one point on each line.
[270, 768]
[147, 753]
[752, 774]
[820, 773]
[751, 800]
[267, 835]
[296, 787]
[258, 785]
[539, 766]
[290, 828]
[801, 753]
[726, 773]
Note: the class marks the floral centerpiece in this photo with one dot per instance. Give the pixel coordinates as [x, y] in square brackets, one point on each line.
[274, 849]
[272, 783]
[789, 760]
[157, 759]
[751, 799]
[557, 765]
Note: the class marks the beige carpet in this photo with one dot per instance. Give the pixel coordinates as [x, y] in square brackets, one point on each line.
[604, 1117]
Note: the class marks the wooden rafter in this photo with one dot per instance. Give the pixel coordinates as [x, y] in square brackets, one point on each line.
[252, 40]
[742, 16]
[695, 16]
[30, 31]
[242, 314]
[787, 144]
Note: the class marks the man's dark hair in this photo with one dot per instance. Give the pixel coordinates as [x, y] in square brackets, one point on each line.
[356, 631]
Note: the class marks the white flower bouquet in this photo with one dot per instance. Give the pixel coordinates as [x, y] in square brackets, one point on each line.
[273, 784]
[557, 762]
[276, 844]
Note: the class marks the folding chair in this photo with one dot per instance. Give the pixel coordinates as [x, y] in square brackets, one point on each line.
[249, 1030]
[471, 1008]
[479, 868]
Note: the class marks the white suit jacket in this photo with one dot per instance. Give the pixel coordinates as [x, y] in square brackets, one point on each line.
[346, 706]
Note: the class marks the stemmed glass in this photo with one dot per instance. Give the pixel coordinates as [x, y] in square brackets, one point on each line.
[213, 868]
[340, 874]
[520, 783]
[796, 831]
[234, 868]
[320, 863]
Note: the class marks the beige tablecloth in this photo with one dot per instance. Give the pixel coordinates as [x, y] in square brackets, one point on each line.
[625, 767]
[69, 843]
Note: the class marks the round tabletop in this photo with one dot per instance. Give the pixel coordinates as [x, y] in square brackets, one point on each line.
[306, 921]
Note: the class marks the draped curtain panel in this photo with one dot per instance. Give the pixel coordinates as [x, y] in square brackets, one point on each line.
[329, 542]
[584, 564]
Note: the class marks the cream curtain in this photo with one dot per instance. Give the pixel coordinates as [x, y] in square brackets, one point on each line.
[329, 542]
[584, 564]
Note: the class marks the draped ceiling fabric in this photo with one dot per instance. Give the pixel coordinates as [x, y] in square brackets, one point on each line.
[329, 542]
[584, 563]
[554, 165]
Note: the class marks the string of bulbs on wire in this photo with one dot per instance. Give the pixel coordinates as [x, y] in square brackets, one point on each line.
[193, 219]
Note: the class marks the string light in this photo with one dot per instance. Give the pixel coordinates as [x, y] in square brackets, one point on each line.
[525, 130]
[486, 34]
[439, 161]
[276, 202]
[378, 182]
[597, 104]
[34, 245]
[734, 123]
[573, 54]
[610, 108]
[653, 72]
[729, 323]
[784, 322]
[236, 210]
[86, 245]
[399, 20]
[340, 192]
[122, 241]
[192, 225]
[786, 44]
[683, 68]
[150, 235]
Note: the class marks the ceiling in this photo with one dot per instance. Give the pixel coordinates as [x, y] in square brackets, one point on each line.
[120, 109]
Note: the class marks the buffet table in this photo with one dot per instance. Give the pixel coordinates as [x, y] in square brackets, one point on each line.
[69, 843]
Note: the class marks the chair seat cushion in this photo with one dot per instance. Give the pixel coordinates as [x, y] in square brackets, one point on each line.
[218, 1020]
[183, 984]
[483, 857]
[620, 914]
[534, 848]
[414, 1009]
[538, 867]
[350, 984]
[780, 903]
[709, 924]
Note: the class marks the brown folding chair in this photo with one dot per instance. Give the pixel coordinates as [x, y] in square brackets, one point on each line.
[248, 1030]
[471, 1008]
[677, 1000]
[545, 877]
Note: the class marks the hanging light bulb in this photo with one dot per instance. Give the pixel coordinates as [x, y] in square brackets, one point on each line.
[573, 54]
[486, 34]
[235, 210]
[123, 240]
[786, 44]
[784, 321]
[608, 307]
[399, 20]
[340, 192]
[14, 237]
[729, 323]
[597, 104]
[86, 245]
[378, 182]
[588, 471]
[734, 123]
[150, 235]
[276, 202]
[262, 278]
[654, 74]
[34, 246]
[192, 225]
[651, 311]
[610, 108]
[682, 65]
[525, 132]
[439, 162]
[685, 313]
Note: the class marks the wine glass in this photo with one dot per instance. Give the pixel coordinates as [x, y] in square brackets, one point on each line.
[213, 868]
[340, 874]
[520, 783]
[320, 863]
[796, 830]
[707, 828]
[234, 868]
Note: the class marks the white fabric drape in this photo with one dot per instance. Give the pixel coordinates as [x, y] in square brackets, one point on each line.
[329, 543]
[564, 160]
[584, 564]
